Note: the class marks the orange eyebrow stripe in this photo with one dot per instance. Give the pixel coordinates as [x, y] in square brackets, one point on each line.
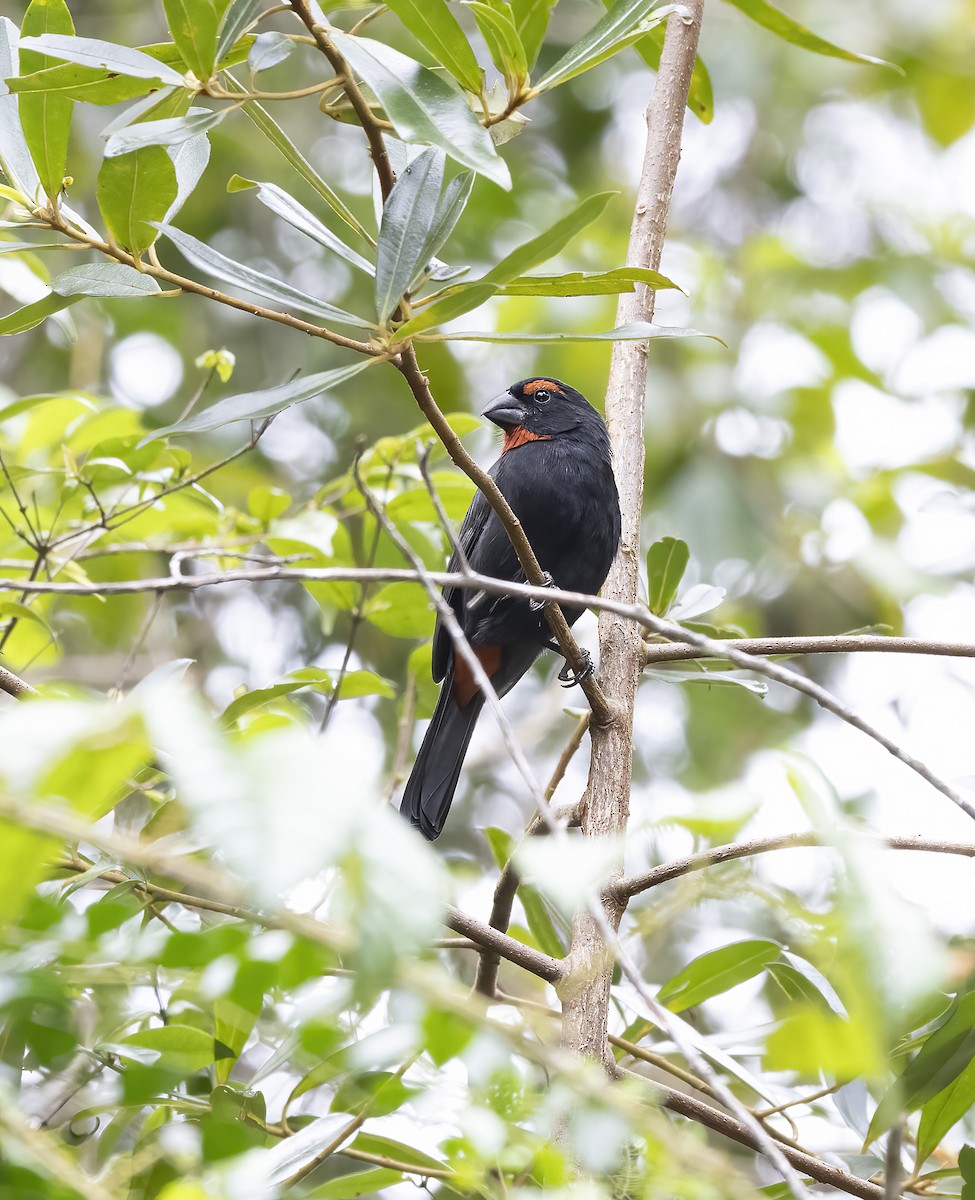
[518, 436]
[531, 388]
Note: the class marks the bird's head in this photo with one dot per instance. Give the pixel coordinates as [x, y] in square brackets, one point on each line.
[539, 409]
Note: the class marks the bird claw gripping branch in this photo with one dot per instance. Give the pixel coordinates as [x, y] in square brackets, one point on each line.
[538, 605]
[569, 678]
[556, 472]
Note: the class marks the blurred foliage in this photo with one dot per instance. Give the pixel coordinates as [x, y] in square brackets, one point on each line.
[171, 1026]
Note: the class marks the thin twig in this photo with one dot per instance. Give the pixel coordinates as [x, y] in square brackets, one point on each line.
[627, 888]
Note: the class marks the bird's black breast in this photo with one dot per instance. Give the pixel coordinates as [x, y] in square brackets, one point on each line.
[563, 492]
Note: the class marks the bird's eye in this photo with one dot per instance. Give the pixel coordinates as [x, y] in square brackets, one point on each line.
[543, 396]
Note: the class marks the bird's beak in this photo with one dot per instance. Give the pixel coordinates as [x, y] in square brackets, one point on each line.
[505, 410]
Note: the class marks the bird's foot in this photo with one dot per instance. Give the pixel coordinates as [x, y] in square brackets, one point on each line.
[537, 605]
[569, 678]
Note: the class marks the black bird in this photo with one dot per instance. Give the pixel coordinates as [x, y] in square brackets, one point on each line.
[556, 472]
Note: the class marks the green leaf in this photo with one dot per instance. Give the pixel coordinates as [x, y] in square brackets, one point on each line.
[797, 988]
[717, 971]
[193, 24]
[783, 26]
[625, 22]
[539, 920]
[380, 1092]
[235, 1014]
[236, 19]
[266, 503]
[321, 682]
[268, 51]
[373, 1143]
[286, 207]
[133, 191]
[290, 152]
[252, 406]
[456, 304]
[546, 245]
[500, 35]
[81, 83]
[90, 52]
[666, 563]
[584, 283]
[635, 331]
[467, 296]
[531, 21]
[811, 1042]
[943, 1112]
[33, 314]
[966, 1164]
[221, 267]
[15, 160]
[436, 29]
[171, 131]
[358, 1183]
[46, 118]
[355, 684]
[401, 609]
[943, 1057]
[423, 107]
[105, 279]
[180, 1048]
[408, 216]
[449, 210]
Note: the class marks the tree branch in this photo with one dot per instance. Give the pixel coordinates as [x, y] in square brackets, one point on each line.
[626, 889]
[13, 685]
[586, 1004]
[542, 965]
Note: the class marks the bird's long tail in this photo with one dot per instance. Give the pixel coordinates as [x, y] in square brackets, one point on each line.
[432, 783]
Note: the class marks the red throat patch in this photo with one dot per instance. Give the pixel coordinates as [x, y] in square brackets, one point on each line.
[518, 435]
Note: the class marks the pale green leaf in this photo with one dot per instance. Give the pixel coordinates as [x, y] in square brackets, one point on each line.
[423, 107]
[408, 216]
[252, 406]
[46, 118]
[221, 267]
[436, 29]
[90, 52]
[104, 279]
[171, 131]
[782, 25]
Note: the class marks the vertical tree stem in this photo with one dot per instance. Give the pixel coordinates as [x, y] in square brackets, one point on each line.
[585, 990]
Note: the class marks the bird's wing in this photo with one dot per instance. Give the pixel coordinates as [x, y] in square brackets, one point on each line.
[470, 533]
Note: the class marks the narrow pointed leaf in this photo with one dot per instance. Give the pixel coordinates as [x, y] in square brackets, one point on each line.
[625, 22]
[15, 160]
[408, 217]
[500, 35]
[33, 314]
[221, 267]
[288, 208]
[582, 283]
[252, 406]
[236, 19]
[449, 210]
[531, 21]
[782, 25]
[943, 1112]
[133, 191]
[536, 911]
[636, 331]
[46, 118]
[286, 147]
[106, 279]
[173, 131]
[456, 305]
[540, 249]
[190, 160]
[193, 24]
[90, 52]
[423, 107]
[436, 29]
